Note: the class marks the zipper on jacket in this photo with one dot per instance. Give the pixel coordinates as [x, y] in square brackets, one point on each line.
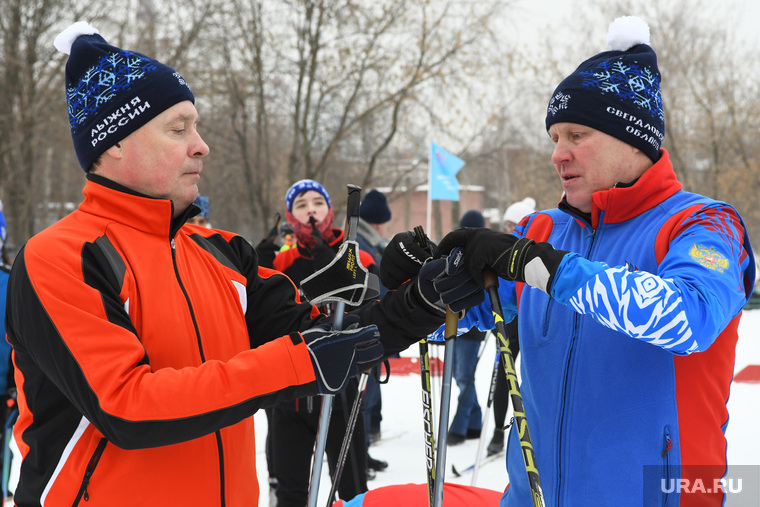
[220, 447]
[565, 387]
[666, 447]
[187, 299]
[219, 444]
[91, 465]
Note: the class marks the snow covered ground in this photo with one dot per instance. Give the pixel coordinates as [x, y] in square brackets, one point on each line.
[402, 427]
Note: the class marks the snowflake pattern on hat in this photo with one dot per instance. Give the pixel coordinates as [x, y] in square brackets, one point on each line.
[114, 72]
[559, 101]
[629, 82]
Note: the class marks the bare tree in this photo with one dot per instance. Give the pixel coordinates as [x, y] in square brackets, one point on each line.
[709, 93]
[31, 94]
[709, 87]
[321, 89]
[354, 91]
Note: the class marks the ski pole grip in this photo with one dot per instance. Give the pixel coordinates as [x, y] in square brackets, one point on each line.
[353, 200]
[451, 324]
[419, 237]
[489, 278]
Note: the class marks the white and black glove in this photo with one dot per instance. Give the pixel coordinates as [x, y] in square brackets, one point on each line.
[402, 259]
[513, 258]
[339, 355]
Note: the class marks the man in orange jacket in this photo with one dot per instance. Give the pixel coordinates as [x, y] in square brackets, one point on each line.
[142, 344]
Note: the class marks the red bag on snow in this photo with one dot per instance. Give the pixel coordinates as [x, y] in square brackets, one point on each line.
[416, 495]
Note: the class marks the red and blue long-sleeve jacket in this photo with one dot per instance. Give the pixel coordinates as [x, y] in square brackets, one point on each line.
[626, 368]
[143, 347]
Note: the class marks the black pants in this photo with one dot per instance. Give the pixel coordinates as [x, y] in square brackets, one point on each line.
[294, 435]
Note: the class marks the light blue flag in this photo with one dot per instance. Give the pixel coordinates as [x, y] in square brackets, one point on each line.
[443, 174]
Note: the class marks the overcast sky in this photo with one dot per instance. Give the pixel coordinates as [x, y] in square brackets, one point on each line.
[559, 15]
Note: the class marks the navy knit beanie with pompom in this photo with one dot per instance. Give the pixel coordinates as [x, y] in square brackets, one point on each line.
[112, 92]
[616, 92]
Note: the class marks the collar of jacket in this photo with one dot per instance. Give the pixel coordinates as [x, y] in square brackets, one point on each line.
[335, 245]
[623, 203]
[111, 200]
[369, 233]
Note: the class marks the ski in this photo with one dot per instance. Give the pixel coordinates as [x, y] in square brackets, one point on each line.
[388, 437]
[487, 459]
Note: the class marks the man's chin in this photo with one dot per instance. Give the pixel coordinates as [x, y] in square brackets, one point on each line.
[581, 204]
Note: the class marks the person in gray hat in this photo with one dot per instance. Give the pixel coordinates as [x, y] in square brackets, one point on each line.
[468, 417]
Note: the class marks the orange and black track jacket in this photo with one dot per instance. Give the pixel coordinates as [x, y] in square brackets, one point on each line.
[143, 347]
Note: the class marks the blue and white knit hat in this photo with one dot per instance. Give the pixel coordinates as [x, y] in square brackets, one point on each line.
[302, 186]
[112, 92]
[616, 92]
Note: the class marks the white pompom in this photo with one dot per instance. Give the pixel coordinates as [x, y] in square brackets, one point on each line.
[626, 32]
[66, 38]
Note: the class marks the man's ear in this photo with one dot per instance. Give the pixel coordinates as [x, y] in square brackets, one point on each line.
[114, 151]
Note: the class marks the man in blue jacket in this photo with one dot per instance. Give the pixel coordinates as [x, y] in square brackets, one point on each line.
[629, 295]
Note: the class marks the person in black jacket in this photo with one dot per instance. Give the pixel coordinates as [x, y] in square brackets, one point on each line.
[294, 425]
[374, 215]
[468, 417]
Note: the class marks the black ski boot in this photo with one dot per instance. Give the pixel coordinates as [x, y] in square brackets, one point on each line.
[497, 442]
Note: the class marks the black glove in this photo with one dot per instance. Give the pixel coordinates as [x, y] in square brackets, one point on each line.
[318, 239]
[513, 258]
[402, 259]
[321, 253]
[267, 250]
[443, 282]
[339, 355]
[322, 256]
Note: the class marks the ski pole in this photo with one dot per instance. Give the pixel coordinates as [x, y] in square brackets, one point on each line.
[486, 414]
[427, 396]
[471, 378]
[478, 456]
[449, 334]
[467, 388]
[427, 416]
[352, 222]
[346, 445]
[491, 282]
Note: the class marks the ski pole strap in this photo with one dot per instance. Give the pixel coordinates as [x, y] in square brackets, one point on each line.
[377, 372]
[491, 283]
[343, 279]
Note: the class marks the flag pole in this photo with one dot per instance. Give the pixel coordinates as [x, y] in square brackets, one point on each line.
[429, 190]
